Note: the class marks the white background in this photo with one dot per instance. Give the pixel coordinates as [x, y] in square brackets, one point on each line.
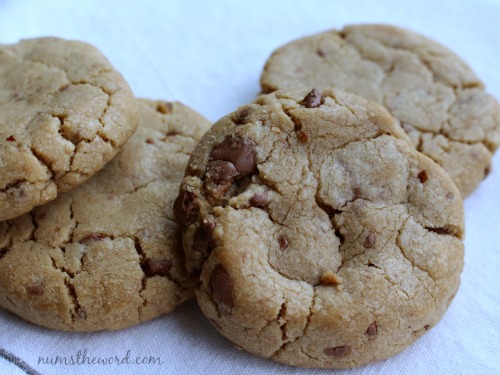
[209, 55]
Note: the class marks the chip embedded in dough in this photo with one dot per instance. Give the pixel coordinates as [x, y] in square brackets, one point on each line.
[107, 254]
[437, 98]
[321, 237]
[64, 113]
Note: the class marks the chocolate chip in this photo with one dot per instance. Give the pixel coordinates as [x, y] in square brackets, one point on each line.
[221, 172]
[313, 100]
[422, 176]
[450, 196]
[150, 141]
[222, 289]
[185, 207]
[10, 138]
[156, 267]
[35, 290]
[240, 116]
[239, 151]
[372, 330]
[320, 53]
[370, 240]
[283, 242]
[260, 200]
[201, 241]
[427, 327]
[171, 133]
[302, 136]
[164, 108]
[92, 237]
[338, 351]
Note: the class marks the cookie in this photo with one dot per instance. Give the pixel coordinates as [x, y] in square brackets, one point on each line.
[321, 237]
[436, 97]
[64, 113]
[107, 254]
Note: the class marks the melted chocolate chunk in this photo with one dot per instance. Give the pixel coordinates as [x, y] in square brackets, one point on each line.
[35, 290]
[372, 330]
[239, 151]
[422, 176]
[283, 242]
[239, 118]
[185, 207]
[370, 240]
[338, 351]
[156, 267]
[260, 200]
[222, 289]
[313, 100]
[221, 172]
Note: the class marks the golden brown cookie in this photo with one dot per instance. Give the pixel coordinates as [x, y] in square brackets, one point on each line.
[321, 236]
[64, 113]
[436, 97]
[107, 255]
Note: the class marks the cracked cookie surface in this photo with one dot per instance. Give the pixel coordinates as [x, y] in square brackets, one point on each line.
[64, 113]
[436, 97]
[320, 236]
[107, 255]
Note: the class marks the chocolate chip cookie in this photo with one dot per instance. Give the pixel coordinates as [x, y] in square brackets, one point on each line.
[107, 255]
[436, 97]
[320, 236]
[64, 113]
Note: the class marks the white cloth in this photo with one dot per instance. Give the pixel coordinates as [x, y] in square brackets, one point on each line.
[209, 55]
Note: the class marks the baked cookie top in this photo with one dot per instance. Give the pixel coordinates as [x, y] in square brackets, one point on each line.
[436, 97]
[64, 113]
[321, 236]
[107, 255]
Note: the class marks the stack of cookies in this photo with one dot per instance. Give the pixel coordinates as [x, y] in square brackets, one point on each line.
[87, 238]
[321, 224]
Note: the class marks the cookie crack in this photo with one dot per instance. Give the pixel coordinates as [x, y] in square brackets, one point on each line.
[285, 344]
[435, 80]
[70, 288]
[100, 133]
[14, 185]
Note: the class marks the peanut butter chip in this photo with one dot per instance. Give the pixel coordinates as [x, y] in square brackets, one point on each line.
[164, 107]
[329, 278]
